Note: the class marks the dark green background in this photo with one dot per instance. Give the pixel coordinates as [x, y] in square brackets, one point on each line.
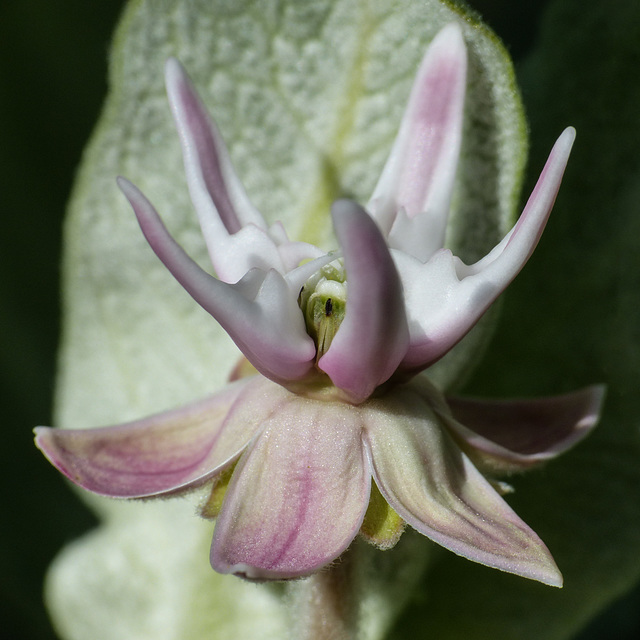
[53, 56]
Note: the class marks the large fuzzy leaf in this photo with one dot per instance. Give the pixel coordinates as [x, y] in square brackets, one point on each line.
[308, 96]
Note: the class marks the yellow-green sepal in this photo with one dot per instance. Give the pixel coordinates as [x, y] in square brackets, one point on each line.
[382, 526]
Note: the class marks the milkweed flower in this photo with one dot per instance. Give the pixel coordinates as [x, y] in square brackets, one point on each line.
[337, 340]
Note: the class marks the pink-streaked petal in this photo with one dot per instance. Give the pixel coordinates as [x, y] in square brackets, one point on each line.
[435, 488]
[411, 200]
[298, 495]
[163, 454]
[514, 435]
[208, 166]
[445, 298]
[511, 254]
[219, 198]
[210, 172]
[259, 313]
[373, 337]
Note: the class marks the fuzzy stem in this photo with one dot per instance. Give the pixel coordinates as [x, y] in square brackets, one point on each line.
[323, 606]
[361, 594]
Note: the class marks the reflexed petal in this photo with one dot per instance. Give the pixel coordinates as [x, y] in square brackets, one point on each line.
[259, 312]
[162, 454]
[417, 181]
[436, 489]
[373, 337]
[445, 298]
[514, 435]
[299, 494]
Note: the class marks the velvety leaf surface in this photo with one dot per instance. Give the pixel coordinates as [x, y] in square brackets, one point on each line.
[140, 576]
[572, 317]
[308, 96]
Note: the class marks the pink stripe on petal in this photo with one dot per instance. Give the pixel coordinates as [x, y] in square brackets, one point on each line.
[421, 168]
[373, 336]
[435, 488]
[163, 454]
[299, 494]
[259, 313]
[514, 435]
[212, 179]
[234, 230]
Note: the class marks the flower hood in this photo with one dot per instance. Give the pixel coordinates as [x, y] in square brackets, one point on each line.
[410, 299]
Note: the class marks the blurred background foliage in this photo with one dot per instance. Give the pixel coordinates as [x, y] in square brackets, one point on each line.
[53, 59]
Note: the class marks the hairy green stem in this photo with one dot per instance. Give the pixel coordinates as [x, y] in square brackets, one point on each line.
[324, 605]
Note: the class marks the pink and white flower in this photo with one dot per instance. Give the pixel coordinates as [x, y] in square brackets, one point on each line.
[337, 340]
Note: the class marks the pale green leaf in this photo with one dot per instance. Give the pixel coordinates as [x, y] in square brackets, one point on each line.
[308, 96]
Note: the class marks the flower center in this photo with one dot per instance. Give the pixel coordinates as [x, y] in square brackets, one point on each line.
[323, 300]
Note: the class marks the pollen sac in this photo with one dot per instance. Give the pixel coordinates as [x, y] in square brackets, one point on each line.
[323, 300]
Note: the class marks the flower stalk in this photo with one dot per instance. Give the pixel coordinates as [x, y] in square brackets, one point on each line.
[323, 606]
